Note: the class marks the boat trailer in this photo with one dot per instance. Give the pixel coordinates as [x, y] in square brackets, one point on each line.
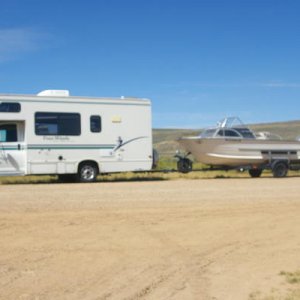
[278, 166]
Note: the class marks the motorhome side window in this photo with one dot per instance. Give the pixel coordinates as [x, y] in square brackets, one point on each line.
[50, 123]
[8, 133]
[10, 107]
[95, 123]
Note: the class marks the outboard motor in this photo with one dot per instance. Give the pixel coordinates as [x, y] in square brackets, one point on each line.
[184, 164]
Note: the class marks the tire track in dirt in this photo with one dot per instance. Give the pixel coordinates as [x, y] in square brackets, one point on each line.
[194, 240]
[189, 275]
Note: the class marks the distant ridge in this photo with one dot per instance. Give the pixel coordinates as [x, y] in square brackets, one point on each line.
[165, 139]
[287, 130]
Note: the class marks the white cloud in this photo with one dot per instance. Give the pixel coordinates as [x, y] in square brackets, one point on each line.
[216, 85]
[193, 84]
[281, 85]
[15, 42]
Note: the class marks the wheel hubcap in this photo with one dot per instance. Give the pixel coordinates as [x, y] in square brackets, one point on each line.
[88, 173]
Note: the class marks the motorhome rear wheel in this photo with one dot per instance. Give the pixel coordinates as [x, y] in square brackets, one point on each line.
[87, 172]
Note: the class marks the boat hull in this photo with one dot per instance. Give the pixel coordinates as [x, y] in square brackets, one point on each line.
[239, 152]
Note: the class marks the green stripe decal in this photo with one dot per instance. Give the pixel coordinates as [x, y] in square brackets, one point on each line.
[59, 147]
[9, 148]
[70, 147]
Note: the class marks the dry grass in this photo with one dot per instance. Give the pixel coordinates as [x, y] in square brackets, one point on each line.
[28, 179]
[292, 279]
[145, 176]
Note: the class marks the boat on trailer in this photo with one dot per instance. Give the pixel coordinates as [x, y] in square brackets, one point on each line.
[231, 144]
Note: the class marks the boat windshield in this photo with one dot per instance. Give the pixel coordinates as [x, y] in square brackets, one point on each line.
[231, 122]
[231, 127]
[246, 133]
[208, 133]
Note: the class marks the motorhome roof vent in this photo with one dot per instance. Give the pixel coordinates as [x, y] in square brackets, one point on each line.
[54, 93]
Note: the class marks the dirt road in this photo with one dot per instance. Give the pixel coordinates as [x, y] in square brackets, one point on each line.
[181, 239]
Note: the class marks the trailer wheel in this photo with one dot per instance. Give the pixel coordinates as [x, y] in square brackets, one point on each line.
[184, 165]
[280, 169]
[255, 173]
[87, 172]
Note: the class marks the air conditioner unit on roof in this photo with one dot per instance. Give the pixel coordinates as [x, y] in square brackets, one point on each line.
[54, 93]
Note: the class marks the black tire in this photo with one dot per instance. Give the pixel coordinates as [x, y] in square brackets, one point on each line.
[280, 169]
[255, 173]
[87, 172]
[155, 159]
[184, 165]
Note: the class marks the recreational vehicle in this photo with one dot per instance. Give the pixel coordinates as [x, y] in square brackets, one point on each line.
[74, 137]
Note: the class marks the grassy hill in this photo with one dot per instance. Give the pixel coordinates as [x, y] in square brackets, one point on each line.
[287, 130]
[166, 145]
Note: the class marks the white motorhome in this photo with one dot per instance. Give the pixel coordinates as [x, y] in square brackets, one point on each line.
[55, 133]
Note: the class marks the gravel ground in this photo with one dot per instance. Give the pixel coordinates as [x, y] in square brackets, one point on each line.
[180, 239]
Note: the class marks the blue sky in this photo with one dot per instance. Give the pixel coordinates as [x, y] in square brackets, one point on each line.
[198, 61]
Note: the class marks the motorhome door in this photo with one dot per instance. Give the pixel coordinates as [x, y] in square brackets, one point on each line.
[12, 148]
